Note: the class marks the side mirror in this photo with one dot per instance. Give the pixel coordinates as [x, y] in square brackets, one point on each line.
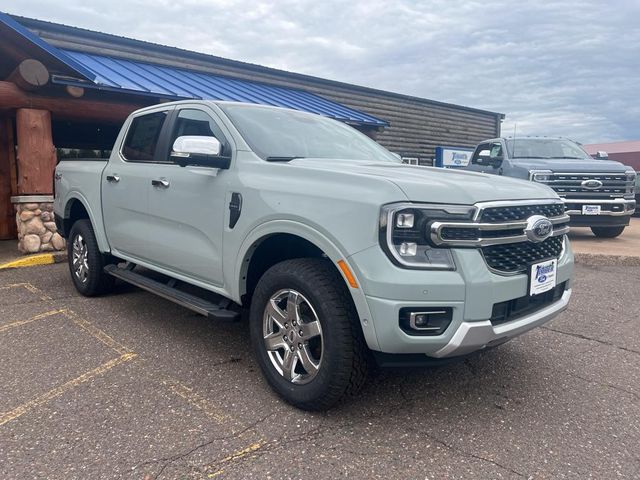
[196, 150]
[602, 155]
[494, 162]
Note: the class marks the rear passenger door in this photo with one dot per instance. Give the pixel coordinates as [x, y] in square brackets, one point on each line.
[125, 184]
[187, 205]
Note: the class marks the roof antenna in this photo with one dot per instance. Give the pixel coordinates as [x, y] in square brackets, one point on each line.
[514, 140]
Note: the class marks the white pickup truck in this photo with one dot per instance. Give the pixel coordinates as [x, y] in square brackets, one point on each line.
[343, 254]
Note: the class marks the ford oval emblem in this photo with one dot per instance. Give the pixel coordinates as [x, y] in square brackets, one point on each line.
[592, 184]
[538, 228]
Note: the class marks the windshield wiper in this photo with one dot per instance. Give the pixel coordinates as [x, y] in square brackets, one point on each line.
[281, 159]
[574, 158]
[533, 157]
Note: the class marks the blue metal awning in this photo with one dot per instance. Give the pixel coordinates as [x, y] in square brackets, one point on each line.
[25, 37]
[129, 76]
[141, 78]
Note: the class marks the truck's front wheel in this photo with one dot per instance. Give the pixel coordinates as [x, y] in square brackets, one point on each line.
[86, 262]
[306, 335]
[607, 232]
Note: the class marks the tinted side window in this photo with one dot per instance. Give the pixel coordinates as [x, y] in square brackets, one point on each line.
[481, 152]
[496, 150]
[142, 138]
[195, 122]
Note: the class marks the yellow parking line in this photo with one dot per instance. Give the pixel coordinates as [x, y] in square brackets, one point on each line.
[95, 332]
[12, 285]
[37, 291]
[195, 400]
[32, 261]
[9, 326]
[29, 287]
[56, 392]
[235, 456]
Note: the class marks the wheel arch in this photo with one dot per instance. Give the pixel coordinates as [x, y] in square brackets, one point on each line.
[302, 241]
[77, 208]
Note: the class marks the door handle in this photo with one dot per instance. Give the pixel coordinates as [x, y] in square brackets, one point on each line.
[113, 178]
[160, 183]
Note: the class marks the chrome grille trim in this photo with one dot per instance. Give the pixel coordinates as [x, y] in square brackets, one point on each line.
[560, 223]
[569, 185]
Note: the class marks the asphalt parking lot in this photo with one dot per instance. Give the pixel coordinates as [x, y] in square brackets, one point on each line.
[132, 386]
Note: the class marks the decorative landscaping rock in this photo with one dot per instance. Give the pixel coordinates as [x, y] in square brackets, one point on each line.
[57, 241]
[31, 244]
[37, 231]
[35, 226]
[27, 215]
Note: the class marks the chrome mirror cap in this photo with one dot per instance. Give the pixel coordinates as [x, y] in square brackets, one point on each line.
[188, 145]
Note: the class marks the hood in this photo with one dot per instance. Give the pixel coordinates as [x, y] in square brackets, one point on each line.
[430, 184]
[567, 165]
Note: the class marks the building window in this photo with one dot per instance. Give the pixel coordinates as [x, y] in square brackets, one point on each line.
[411, 160]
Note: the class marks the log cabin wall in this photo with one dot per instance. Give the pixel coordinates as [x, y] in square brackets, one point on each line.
[418, 125]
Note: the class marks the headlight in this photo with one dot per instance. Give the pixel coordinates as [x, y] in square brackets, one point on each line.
[631, 181]
[542, 176]
[405, 231]
[631, 175]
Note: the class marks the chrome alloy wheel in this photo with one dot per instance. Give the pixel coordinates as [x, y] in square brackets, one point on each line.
[79, 260]
[292, 336]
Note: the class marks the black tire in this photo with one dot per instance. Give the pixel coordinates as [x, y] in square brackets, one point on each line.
[345, 361]
[607, 232]
[96, 282]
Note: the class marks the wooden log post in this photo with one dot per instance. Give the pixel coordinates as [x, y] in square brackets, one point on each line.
[7, 216]
[36, 153]
[29, 75]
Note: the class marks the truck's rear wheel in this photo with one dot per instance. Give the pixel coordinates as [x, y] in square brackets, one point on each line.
[86, 262]
[607, 232]
[306, 335]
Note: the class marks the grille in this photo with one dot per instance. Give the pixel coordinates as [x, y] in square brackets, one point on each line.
[516, 257]
[520, 212]
[451, 233]
[568, 185]
[504, 312]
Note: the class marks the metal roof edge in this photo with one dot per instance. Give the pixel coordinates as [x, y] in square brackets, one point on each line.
[45, 46]
[111, 38]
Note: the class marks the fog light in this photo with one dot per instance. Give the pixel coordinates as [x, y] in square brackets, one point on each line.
[408, 249]
[420, 321]
[425, 321]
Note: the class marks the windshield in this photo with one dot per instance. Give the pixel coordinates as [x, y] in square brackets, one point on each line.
[544, 148]
[278, 134]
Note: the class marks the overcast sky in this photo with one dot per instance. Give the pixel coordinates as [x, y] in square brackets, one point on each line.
[554, 68]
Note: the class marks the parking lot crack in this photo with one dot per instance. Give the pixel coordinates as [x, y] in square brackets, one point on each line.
[602, 384]
[167, 461]
[584, 337]
[470, 455]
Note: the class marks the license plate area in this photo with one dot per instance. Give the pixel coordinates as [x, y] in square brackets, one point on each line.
[543, 276]
[591, 209]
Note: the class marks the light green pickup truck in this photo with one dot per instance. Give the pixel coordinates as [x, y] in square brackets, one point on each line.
[343, 255]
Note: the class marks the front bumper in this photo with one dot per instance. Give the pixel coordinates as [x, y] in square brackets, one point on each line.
[472, 336]
[613, 212]
[471, 292]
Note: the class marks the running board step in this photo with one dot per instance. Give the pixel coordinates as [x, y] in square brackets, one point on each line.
[197, 304]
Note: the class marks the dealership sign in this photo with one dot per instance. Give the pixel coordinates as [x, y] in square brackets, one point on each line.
[452, 157]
